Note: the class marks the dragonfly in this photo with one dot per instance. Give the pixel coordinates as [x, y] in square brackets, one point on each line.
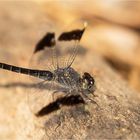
[52, 61]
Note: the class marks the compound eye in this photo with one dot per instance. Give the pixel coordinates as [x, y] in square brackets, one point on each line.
[90, 85]
[91, 82]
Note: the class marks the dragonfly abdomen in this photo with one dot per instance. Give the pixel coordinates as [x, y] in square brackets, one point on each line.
[13, 68]
[46, 75]
[42, 74]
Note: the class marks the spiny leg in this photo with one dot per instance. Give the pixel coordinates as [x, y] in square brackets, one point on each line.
[86, 97]
[57, 91]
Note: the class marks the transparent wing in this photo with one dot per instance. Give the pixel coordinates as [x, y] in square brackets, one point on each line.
[43, 56]
[42, 59]
[67, 43]
[39, 95]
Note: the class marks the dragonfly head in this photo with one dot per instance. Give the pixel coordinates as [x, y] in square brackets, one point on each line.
[87, 83]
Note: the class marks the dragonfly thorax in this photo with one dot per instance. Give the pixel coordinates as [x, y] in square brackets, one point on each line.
[67, 77]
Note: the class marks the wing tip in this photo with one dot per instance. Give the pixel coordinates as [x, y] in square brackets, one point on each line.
[85, 24]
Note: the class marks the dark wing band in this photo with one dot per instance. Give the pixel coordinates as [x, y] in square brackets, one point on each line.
[47, 41]
[71, 35]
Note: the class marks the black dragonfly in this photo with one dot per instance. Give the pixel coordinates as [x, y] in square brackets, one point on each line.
[52, 64]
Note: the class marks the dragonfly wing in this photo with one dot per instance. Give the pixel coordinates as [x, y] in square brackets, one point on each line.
[39, 94]
[42, 57]
[67, 44]
[47, 41]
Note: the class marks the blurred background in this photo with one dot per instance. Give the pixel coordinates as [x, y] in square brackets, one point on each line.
[113, 33]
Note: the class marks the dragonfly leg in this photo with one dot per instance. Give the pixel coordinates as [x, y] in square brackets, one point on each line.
[57, 91]
[87, 99]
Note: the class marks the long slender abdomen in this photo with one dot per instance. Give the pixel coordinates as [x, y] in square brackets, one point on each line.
[42, 74]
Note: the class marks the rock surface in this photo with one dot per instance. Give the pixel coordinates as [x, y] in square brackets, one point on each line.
[116, 117]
